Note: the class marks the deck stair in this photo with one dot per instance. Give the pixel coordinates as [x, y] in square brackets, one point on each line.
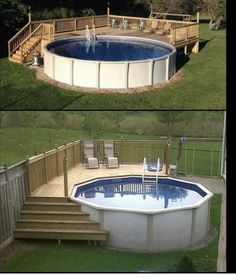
[22, 46]
[56, 218]
[22, 53]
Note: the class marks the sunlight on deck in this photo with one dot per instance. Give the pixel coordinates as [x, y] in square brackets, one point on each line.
[80, 174]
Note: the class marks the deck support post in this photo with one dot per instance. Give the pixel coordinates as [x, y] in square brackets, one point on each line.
[59, 242]
[196, 47]
[186, 49]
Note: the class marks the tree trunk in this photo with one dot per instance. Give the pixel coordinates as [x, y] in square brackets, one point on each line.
[215, 23]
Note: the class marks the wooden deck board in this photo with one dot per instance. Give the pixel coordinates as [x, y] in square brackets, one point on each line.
[80, 174]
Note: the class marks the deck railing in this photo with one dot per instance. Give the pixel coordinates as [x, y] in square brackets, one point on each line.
[73, 24]
[134, 22]
[14, 42]
[43, 31]
[12, 197]
[181, 34]
[58, 25]
[183, 17]
[42, 168]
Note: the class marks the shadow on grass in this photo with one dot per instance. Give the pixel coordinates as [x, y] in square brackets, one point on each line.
[204, 20]
[70, 102]
[181, 60]
[28, 94]
[203, 43]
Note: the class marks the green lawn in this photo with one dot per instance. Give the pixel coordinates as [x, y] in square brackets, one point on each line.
[203, 86]
[47, 256]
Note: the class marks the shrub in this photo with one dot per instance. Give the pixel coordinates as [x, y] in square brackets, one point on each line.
[185, 265]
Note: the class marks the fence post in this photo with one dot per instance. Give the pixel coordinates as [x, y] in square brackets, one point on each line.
[167, 157]
[65, 177]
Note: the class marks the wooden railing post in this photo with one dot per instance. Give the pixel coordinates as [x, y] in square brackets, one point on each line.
[46, 167]
[28, 177]
[108, 13]
[73, 153]
[65, 177]
[198, 16]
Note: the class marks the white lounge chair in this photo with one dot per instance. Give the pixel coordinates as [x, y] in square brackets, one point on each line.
[90, 160]
[110, 159]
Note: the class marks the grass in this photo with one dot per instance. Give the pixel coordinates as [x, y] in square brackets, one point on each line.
[47, 256]
[203, 86]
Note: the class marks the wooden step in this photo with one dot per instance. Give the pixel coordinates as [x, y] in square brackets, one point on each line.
[48, 199]
[58, 224]
[54, 215]
[51, 206]
[17, 56]
[61, 234]
[34, 39]
[15, 60]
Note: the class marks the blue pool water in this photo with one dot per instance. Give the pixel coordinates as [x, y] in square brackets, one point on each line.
[130, 193]
[108, 50]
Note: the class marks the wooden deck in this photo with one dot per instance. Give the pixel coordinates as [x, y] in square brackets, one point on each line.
[80, 173]
[117, 32]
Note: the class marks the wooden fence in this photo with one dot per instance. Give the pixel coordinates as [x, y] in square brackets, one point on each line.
[12, 196]
[43, 168]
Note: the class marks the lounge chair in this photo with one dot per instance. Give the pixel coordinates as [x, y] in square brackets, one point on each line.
[165, 30]
[90, 160]
[110, 160]
[152, 27]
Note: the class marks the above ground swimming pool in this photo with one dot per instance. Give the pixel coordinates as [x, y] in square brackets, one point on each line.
[165, 215]
[109, 62]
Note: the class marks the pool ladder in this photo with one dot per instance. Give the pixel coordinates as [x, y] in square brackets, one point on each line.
[146, 180]
[91, 36]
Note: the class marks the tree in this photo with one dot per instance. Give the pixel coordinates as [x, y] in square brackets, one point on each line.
[171, 6]
[170, 118]
[182, 6]
[59, 118]
[88, 12]
[115, 119]
[13, 15]
[94, 125]
[216, 10]
[153, 5]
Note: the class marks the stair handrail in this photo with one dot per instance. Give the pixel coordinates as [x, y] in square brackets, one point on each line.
[35, 31]
[17, 35]
[51, 35]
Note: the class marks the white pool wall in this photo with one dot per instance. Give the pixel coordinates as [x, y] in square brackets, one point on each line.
[156, 230]
[111, 75]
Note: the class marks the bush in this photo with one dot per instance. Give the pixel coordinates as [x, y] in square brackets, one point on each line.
[185, 265]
